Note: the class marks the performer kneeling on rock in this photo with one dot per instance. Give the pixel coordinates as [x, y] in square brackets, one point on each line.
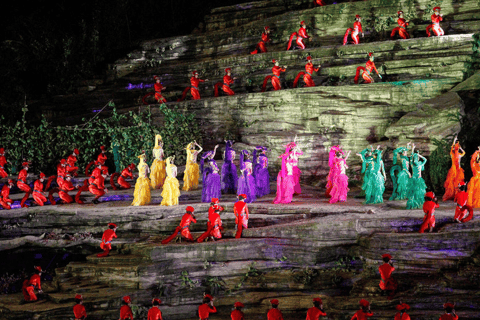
[387, 283]
[29, 285]
[214, 224]
[367, 70]
[107, 238]
[184, 227]
[463, 212]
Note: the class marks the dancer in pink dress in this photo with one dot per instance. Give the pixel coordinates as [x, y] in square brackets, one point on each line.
[296, 151]
[340, 180]
[332, 160]
[285, 179]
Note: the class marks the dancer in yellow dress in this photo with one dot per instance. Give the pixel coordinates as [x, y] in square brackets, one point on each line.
[157, 172]
[141, 195]
[171, 187]
[192, 171]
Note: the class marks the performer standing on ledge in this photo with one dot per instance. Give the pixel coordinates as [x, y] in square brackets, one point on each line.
[340, 181]
[107, 237]
[157, 170]
[154, 313]
[184, 228]
[194, 82]
[315, 312]
[402, 312]
[229, 170]
[214, 223]
[435, 26]
[206, 307]
[449, 312]
[367, 70]
[227, 81]
[387, 283]
[192, 170]
[125, 311]
[474, 183]
[402, 27]
[78, 309]
[463, 212]
[237, 313]
[22, 183]
[275, 79]
[240, 210]
[431, 203]
[158, 90]
[307, 75]
[246, 182]
[357, 28]
[416, 186]
[364, 312]
[212, 182]
[274, 313]
[171, 187]
[3, 162]
[141, 193]
[300, 35]
[260, 171]
[455, 173]
[261, 48]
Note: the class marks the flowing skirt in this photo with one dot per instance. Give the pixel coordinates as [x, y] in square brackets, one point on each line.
[246, 185]
[211, 187]
[474, 192]
[454, 177]
[191, 176]
[262, 182]
[402, 186]
[375, 186]
[296, 178]
[285, 189]
[141, 194]
[170, 192]
[339, 188]
[157, 174]
[416, 193]
[229, 177]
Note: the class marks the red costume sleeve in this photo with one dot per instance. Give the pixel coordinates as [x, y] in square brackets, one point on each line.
[357, 26]
[227, 79]
[302, 32]
[35, 281]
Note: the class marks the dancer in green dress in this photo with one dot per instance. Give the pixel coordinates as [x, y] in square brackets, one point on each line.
[416, 185]
[401, 180]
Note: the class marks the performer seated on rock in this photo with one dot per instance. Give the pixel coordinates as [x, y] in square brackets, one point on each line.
[126, 173]
[357, 28]
[261, 48]
[240, 210]
[449, 312]
[463, 212]
[5, 200]
[206, 307]
[274, 313]
[315, 312]
[107, 238]
[63, 190]
[227, 81]
[22, 183]
[97, 186]
[184, 228]
[154, 313]
[125, 311]
[307, 75]
[402, 27]
[3, 162]
[79, 309]
[29, 285]
[364, 312]
[158, 90]
[429, 206]
[71, 168]
[275, 79]
[435, 26]
[38, 196]
[387, 283]
[300, 35]
[402, 311]
[237, 313]
[367, 70]
[214, 224]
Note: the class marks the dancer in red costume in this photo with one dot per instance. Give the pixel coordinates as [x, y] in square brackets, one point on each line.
[125, 310]
[449, 312]
[315, 312]
[22, 183]
[61, 172]
[455, 174]
[227, 81]
[364, 312]
[206, 307]
[71, 168]
[29, 285]
[429, 206]
[274, 313]
[307, 75]
[38, 196]
[97, 186]
[79, 309]
[367, 70]
[261, 48]
[387, 283]
[357, 28]
[240, 210]
[402, 312]
[237, 313]
[107, 237]
[463, 212]
[320, 3]
[194, 82]
[158, 90]
[3, 162]
[402, 27]
[101, 159]
[300, 35]
[5, 200]
[184, 228]
[154, 313]
[127, 173]
[435, 26]
[66, 186]
[276, 76]
[214, 224]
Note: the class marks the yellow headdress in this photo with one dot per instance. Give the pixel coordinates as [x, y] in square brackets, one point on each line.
[189, 146]
[157, 138]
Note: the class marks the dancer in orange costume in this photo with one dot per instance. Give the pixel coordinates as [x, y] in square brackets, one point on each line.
[402, 312]
[463, 212]
[307, 75]
[3, 162]
[240, 210]
[38, 196]
[227, 81]
[107, 237]
[237, 313]
[274, 313]
[154, 313]
[435, 26]
[79, 309]
[315, 312]
[184, 228]
[357, 28]
[158, 90]
[275, 79]
[364, 312]
[214, 224]
[387, 283]
[22, 183]
[71, 168]
[449, 312]
[300, 35]
[29, 285]
[455, 174]
[474, 183]
[429, 206]
[261, 48]
[367, 70]
[126, 311]
[402, 27]
[5, 200]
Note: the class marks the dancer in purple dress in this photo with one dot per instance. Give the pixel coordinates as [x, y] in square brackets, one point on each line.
[340, 181]
[246, 182]
[211, 179]
[229, 169]
[260, 171]
[285, 178]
